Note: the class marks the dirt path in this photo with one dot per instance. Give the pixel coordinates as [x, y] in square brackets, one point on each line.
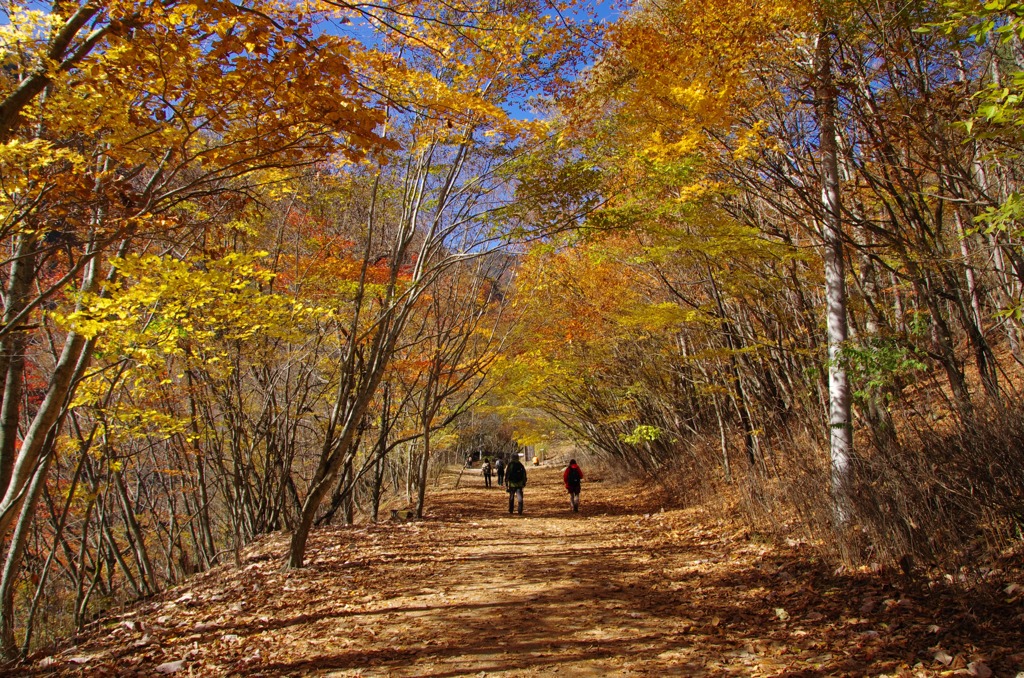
[620, 589]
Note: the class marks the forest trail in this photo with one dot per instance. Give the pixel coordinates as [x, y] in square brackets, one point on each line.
[620, 589]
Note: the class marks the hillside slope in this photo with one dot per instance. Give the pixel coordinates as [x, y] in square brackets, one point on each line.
[623, 588]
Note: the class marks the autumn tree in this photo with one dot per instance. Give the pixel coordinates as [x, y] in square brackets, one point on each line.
[451, 72]
[123, 125]
[830, 128]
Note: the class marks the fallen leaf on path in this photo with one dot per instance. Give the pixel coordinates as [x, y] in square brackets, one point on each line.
[671, 595]
[979, 669]
[171, 667]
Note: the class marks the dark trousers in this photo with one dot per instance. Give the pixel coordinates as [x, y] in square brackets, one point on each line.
[512, 494]
[501, 476]
[487, 479]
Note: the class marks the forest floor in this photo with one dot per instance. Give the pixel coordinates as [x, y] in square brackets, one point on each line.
[623, 588]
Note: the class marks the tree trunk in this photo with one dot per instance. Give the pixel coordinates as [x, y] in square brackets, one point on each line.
[332, 461]
[421, 475]
[874, 408]
[722, 439]
[376, 489]
[12, 352]
[381, 452]
[74, 357]
[734, 343]
[58, 540]
[840, 397]
[15, 552]
[943, 349]
[147, 574]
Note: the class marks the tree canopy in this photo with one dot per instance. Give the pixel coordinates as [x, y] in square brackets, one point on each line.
[268, 265]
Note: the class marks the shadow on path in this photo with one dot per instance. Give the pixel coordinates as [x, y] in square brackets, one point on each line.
[620, 589]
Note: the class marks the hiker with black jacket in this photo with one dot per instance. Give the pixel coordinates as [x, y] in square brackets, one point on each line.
[573, 478]
[515, 481]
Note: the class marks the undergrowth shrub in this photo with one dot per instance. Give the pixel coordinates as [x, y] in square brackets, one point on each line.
[942, 493]
[949, 496]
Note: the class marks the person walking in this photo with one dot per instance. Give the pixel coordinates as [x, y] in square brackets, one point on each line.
[573, 478]
[499, 466]
[486, 468]
[515, 481]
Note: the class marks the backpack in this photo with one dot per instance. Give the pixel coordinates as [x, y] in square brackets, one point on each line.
[515, 475]
[574, 477]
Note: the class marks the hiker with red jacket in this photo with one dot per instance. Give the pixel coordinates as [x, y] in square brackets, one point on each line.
[573, 477]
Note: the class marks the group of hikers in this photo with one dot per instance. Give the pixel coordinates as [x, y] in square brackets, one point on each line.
[513, 478]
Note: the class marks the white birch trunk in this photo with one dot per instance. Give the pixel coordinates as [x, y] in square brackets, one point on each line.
[840, 397]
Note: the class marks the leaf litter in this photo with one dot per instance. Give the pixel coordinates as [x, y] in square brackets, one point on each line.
[623, 588]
